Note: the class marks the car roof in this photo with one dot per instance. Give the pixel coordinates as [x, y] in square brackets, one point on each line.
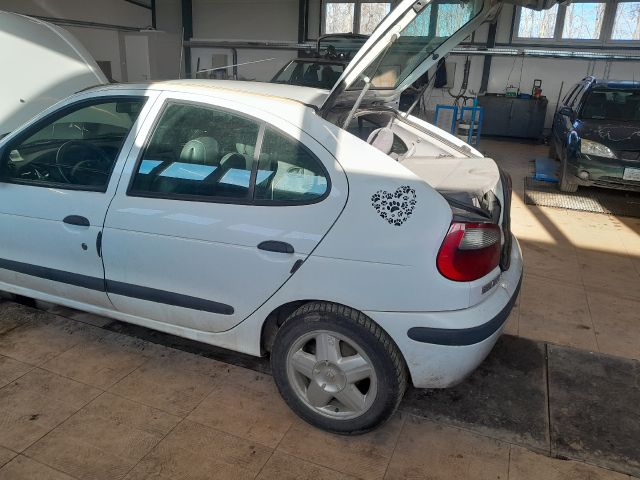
[607, 83]
[310, 97]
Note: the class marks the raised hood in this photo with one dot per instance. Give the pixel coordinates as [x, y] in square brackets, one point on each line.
[41, 64]
[409, 41]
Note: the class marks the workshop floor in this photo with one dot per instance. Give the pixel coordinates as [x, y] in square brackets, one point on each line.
[87, 398]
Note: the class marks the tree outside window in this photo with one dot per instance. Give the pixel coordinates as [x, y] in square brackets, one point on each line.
[537, 24]
[584, 20]
[626, 25]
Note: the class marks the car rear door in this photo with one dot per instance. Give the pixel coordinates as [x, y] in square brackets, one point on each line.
[193, 240]
[57, 178]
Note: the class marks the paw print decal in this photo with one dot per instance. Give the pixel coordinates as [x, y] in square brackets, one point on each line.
[396, 207]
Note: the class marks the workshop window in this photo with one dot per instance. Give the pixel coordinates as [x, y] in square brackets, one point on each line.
[354, 17]
[537, 24]
[626, 25]
[583, 20]
[580, 22]
[339, 17]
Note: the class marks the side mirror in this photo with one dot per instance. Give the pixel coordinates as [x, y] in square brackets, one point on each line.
[566, 111]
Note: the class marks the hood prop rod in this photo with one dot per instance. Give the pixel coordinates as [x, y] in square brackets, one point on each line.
[367, 84]
[356, 105]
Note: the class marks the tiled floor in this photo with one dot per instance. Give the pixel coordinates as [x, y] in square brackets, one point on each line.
[582, 270]
[80, 402]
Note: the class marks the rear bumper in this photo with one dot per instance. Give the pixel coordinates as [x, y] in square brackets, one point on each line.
[442, 348]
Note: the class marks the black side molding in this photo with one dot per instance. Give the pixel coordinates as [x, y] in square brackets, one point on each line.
[464, 336]
[118, 288]
[167, 298]
[84, 281]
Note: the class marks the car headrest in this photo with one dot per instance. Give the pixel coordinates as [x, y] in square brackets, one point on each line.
[201, 150]
[245, 149]
[382, 139]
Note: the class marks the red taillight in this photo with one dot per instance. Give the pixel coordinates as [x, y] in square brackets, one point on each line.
[469, 251]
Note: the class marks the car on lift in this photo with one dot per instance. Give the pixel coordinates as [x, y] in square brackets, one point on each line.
[254, 217]
[596, 135]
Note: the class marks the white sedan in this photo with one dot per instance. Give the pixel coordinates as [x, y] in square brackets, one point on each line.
[361, 248]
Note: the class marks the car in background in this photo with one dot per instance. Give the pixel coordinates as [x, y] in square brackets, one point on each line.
[324, 67]
[43, 64]
[596, 135]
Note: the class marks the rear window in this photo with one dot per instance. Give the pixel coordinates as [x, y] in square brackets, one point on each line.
[612, 104]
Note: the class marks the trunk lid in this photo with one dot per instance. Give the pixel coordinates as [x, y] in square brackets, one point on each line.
[409, 41]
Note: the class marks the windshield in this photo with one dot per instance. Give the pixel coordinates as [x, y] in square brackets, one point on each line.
[310, 74]
[420, 38]
[612, 104]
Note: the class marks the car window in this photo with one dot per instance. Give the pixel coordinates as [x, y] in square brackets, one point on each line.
[288, 172]
[612, 104]
[198, 151]
[75, 148]
[310, 74]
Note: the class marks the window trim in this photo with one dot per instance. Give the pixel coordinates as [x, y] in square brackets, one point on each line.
[250, 198]
[55, 115]
[604, 40]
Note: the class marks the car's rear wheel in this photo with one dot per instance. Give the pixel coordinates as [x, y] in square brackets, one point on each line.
[337, 369]
[566, 185]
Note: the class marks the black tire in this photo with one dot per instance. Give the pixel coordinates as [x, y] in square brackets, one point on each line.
[566, 185]
[384, 355]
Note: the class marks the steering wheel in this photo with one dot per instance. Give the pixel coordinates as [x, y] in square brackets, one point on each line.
[83, 157]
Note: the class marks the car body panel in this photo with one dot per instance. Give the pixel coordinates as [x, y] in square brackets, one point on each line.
[35, 236]
[208, 249]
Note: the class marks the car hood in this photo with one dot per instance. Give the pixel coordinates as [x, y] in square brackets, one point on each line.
[42, 64]
[615, 135]
[408, 42]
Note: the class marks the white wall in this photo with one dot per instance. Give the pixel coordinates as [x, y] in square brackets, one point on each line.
[258, 20]
[104, 45]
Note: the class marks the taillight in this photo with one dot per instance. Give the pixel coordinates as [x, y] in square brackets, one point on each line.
[469, 251]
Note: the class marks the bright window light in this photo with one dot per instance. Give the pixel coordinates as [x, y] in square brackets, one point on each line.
[371, 14]
[627, 22]
[537, 24]
[339, 17]
[583, 21]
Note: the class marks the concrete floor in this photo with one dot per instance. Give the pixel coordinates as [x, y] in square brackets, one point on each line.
[80, 400]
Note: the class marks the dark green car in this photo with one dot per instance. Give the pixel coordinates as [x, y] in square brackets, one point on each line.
[596, 135]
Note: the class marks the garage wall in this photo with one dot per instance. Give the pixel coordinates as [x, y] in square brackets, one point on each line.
[258, 20]
[506, 70]
[104, 45]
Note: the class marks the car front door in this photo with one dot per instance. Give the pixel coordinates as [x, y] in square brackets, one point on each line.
[57, 177]
[220, 210]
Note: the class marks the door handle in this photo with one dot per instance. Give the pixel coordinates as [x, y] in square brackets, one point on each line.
[275, 246]
[77, 220]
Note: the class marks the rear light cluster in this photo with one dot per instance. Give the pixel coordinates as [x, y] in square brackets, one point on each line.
[469, 251]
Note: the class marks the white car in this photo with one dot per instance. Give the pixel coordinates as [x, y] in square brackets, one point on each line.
[258, 218]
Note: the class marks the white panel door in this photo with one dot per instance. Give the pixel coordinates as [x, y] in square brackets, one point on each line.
[175, 254]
